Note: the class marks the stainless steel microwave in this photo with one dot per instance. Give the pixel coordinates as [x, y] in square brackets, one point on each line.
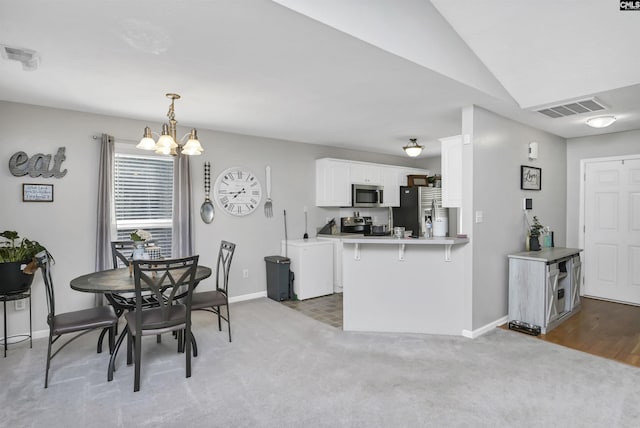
[366, 196]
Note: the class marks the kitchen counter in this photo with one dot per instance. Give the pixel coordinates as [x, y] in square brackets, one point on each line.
[409, 285]
[411, 241]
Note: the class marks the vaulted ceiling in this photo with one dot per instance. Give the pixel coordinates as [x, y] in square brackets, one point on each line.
[366, 75]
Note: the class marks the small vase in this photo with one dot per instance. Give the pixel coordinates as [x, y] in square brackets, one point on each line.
[534, 243]
[138, 251]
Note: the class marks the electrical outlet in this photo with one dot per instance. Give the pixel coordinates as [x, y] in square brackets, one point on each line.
[245, 273]
[20, 305]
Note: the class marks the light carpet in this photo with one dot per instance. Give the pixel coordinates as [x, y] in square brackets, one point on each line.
[284, 369]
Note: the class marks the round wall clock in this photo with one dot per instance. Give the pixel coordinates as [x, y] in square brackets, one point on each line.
[237, 191]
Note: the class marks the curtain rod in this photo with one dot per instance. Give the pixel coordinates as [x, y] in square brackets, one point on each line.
[116, 139]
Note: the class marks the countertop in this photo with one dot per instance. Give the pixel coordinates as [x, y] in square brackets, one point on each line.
[546, 254]
[361, 239]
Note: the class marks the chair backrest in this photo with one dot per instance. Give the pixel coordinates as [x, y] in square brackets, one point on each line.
[121, 253]
[166, 280]
[225, 255]
[44, 263]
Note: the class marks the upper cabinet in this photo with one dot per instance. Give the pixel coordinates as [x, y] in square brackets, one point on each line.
[451, 171]
[333, 183]
[335, 176]
[366, 173]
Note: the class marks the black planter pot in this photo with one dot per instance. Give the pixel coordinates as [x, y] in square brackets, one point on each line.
[12, 279]
[534, 243]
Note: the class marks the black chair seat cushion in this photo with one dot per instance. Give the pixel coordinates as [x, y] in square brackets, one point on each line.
[153, 322]
[99, 317]
[207, 299]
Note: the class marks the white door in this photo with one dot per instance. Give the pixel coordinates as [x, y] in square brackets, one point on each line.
[612, 230]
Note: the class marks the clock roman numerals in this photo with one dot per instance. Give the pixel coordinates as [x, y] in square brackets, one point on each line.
[237, 191]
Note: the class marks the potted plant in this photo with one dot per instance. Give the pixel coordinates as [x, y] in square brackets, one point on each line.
[535, 229]
[140, 237]
[17, 262]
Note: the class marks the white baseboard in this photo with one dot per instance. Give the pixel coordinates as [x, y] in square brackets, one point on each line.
[248, 297]
[485, 328]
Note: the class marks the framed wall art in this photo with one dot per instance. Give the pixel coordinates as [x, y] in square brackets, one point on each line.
[37, 192]
[530, 178]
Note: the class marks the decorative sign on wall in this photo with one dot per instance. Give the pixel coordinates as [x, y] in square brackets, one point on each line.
[37, 165]
[37, 192]
[530, 178]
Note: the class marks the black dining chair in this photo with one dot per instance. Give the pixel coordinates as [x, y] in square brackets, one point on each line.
[80, 322]
[121, 255]
[171, 281]
[212, 300]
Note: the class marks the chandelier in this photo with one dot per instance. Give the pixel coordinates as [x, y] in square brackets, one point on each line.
[167, 142]
[412, 149]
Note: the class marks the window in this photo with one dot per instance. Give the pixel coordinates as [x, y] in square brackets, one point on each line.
[143, 197]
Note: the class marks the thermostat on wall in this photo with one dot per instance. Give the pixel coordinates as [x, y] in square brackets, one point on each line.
[527, 204]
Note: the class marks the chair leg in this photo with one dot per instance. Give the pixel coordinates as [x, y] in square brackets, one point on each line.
[229, 321]
[194, 345]
[188, 350]
[112, 359]
[101, 338]
[219, 321]
[112, 338]
[130, 345]
[138, 356]
[46, 373]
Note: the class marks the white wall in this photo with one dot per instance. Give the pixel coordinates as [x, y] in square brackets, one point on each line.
[500, 146]
[599, 146]
[67, 226]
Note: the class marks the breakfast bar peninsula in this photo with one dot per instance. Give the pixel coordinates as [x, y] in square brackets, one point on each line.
[409, 285]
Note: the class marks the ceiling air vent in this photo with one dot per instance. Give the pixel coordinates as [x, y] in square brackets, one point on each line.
[576, 107]
[28, 57]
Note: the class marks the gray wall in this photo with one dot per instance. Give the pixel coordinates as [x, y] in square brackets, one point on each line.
[67, 226]
[600, 146]
[500, 146]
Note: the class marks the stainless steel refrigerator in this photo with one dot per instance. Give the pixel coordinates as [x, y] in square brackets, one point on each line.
[420, 206]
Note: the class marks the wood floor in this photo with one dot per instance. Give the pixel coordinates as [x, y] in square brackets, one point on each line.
[606, 329]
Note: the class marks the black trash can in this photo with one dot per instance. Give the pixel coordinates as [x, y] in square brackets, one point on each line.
[279, 278]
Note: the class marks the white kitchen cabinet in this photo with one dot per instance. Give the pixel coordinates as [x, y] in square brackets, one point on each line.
[333, 183]
[335, 176]
[451, 157]
[390, 181]
[366, 173]
[544, 286]
[312, 266]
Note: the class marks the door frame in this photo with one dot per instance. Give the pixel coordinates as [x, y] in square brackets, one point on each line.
[581, 225]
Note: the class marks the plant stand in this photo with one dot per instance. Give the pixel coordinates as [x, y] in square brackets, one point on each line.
[10, 298]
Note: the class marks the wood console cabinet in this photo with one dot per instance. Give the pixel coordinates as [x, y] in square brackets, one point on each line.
[544, 286]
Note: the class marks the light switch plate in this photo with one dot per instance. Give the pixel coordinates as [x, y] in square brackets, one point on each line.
[479, 216]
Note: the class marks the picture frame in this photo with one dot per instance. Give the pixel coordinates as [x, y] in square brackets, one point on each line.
[530, 178]
[37, 192]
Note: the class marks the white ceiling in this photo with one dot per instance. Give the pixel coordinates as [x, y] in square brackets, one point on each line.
[366, 75]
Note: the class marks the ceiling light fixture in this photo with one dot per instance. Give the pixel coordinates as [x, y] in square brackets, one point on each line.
[601, 121]
[413, 149]
[167, 143]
